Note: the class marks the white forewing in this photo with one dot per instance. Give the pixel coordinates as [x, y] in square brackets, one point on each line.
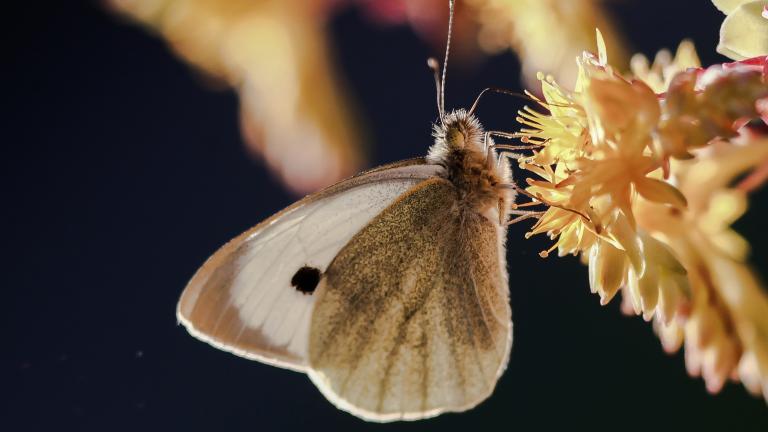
[242, 299]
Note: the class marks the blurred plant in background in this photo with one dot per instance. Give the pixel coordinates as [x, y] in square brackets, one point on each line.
[640, 170]
[640, 166]
[524, 26]
[547, 35]
[276, 55]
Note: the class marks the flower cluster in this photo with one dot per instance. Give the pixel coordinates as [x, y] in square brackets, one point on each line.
[637, 172]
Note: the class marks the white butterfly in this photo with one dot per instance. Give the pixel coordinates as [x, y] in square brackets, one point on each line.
[389, 289]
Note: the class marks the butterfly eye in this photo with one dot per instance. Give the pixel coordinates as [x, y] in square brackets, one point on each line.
[306, 279]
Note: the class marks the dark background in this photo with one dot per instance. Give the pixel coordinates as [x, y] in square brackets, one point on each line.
[121, 174]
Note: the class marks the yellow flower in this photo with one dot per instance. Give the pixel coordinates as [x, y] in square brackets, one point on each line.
[564, 130]
[701, 105]
[637, 187]
[744, 32]
[659, 74]
[727, 330]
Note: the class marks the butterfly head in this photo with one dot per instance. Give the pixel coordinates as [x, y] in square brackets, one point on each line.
[462, 130]
[458, 131]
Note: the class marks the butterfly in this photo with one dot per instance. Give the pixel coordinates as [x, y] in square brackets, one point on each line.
[388, 289]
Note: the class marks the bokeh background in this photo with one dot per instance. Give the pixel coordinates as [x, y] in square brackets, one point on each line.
[122, 171]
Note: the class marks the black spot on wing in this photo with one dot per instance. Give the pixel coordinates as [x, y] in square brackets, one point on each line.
[306, 279]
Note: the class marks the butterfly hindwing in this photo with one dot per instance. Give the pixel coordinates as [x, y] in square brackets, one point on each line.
[412, 317]
[254, 297]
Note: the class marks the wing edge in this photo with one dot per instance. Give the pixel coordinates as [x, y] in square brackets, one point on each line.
[196, 283]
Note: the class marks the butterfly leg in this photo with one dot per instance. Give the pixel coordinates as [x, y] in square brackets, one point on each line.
[541, 200]
[507, 153]
[490, 147]
[523, 215]
[536, 198]
[508, 135]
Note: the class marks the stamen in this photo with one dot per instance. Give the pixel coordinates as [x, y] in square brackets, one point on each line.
[542, 200]
[528, 204]
[545, 253]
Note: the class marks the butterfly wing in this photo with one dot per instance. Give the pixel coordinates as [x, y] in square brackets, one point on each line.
[242, 300]
[412, 317]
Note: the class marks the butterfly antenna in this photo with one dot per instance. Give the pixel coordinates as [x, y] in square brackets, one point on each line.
[435, 66]
[526, 96]
[445, 60]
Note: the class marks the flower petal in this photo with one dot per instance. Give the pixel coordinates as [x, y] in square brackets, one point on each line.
[648, 289]
[674, 297]
[607, 266]
[632, 291]
[744, 32]
[623, 234]
[728, 6]
[661, 192]
[670, 334]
